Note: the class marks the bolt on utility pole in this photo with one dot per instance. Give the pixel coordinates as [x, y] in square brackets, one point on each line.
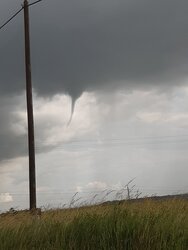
[31, 141]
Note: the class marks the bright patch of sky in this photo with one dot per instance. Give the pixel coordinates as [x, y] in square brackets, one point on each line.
[111, 140]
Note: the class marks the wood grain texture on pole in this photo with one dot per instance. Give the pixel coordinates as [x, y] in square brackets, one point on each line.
[31, 141]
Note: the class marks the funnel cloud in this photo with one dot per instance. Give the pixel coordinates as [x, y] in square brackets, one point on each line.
[73, 102]
[102, 46]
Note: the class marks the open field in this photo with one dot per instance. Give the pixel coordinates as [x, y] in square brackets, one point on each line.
[149, 224]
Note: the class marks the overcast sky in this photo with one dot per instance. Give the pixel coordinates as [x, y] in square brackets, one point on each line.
[122, 65]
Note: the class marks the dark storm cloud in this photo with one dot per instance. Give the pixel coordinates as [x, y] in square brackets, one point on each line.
[82, 45]
[12, 144]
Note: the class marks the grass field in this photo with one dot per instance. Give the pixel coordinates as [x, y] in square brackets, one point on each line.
[139, 225]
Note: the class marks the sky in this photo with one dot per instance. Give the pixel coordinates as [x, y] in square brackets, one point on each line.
[120, 68]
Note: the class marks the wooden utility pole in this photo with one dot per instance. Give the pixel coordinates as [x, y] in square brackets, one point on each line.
[31, 141]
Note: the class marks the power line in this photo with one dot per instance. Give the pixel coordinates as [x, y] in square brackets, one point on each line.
[109, 189]
[40, 145]
[11, 18]
[98, 192]
[80, 145]
[34, 2]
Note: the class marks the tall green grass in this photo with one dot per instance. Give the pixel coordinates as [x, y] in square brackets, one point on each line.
[130, 225]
